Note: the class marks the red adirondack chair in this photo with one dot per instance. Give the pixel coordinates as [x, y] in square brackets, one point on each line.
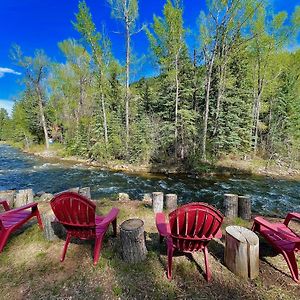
[282, 238]
[12, 219]
[190, 228]
[77, 214]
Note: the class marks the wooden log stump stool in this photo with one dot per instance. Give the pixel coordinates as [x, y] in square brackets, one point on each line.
[9, 196]
[171, 202]
[158, 201]
[231, 205]
[23, 197]
[244, 207]
[133, 240]
[53, 230]
[242, 251]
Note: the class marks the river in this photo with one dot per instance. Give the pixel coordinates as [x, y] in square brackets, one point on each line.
[19, 171]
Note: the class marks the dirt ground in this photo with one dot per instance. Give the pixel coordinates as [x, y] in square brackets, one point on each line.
[30, 268]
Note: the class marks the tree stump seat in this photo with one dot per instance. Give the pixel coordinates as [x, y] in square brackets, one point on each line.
[133, 241]
[242, 251]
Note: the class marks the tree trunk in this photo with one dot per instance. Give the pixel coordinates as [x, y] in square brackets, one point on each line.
[42, 115]
[104, 116]
[176, 103]
[127, 95]
[241, 254]
[133, 241]
[206, 112]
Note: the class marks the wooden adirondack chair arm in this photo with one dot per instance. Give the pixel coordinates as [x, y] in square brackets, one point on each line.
[29, 205]
[292, 215]
[5, 205]
[162, 226]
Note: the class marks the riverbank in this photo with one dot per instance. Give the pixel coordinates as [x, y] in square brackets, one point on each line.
[30, 268]
[226, 167]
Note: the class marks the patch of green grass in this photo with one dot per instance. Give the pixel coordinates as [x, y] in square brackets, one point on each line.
[117, 290]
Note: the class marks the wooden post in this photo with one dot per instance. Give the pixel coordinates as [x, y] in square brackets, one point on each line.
[23, 197]
[133, 241]
[242, 251]
[244, 207]
[231, 205]
[158, 201]
[46, 197]
[74, 190]
[86, 192]
[9, 196]
[171, 202]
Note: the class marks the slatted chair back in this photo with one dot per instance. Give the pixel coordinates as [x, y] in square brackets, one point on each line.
[193, 225]
[75, 212]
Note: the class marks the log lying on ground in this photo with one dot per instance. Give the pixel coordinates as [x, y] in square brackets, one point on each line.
[158, 201]
[23, 197]
[244, 209]
[241, 254]
[133, 241]
[231, 205]
[171, 202]
[9, 196]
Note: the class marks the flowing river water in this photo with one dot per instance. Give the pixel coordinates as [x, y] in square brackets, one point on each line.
[19, 171]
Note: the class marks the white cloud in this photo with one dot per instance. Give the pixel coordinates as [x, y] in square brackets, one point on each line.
[7, 104]
[4, 71]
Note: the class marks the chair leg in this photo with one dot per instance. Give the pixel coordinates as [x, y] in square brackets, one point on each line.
[65, 247]
[170, 258]
[161, 238]
[98, 246]
[207, 267]
[292, 264]
[114, 225]
[3, 240]
[38, 216]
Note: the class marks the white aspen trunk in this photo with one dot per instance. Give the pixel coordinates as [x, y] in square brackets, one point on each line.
[206, 112]
[176, 103]
[127, 95]
[104, 116]
[257, 105]
[43, 119]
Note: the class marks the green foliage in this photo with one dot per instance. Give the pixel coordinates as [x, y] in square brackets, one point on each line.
[254, 88]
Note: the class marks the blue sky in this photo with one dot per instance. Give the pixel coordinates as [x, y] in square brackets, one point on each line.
[41, 24]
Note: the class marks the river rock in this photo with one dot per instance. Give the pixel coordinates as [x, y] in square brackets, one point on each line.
[123, 197]
[147, 198]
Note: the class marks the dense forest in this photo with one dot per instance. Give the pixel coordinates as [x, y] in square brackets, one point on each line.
[237, 92]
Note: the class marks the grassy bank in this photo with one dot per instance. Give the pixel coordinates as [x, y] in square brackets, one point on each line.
[30, 268]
